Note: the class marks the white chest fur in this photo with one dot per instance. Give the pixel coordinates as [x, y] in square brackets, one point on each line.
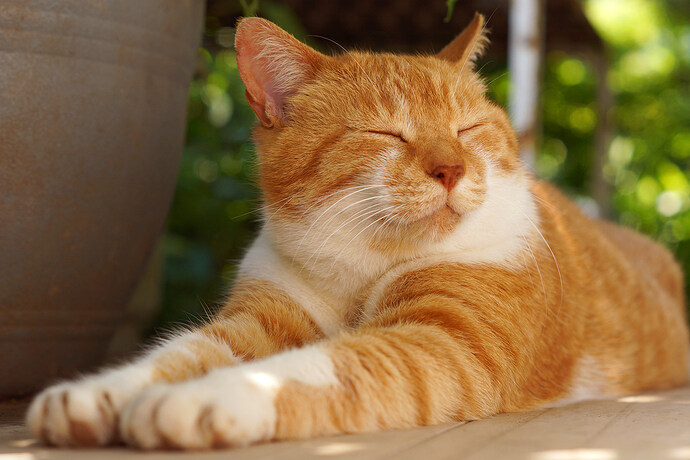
[493, 234]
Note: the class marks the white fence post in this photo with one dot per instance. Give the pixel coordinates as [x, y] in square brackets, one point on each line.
[525, 58]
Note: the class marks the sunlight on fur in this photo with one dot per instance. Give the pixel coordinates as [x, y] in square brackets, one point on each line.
[409, 271]
[264, 380]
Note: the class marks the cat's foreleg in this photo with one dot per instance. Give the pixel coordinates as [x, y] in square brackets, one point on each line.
[406, 373]
[257, 321]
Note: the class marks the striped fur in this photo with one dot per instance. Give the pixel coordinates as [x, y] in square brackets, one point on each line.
[378, 297]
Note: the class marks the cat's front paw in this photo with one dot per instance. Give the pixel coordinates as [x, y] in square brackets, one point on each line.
[203, 414]
[77, 414]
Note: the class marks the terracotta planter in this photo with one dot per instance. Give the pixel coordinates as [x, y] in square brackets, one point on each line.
[92, 119]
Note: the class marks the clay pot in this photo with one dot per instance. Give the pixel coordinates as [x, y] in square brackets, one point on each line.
[92, 120]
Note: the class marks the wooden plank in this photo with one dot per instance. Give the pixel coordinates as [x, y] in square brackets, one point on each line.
[655, 425]
[558, 429]
[471, 437]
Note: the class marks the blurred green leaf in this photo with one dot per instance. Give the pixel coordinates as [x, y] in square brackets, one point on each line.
[450, 6]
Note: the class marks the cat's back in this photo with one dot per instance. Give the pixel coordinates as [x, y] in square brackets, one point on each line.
[615, 254]
[628, 295]
[652, 261]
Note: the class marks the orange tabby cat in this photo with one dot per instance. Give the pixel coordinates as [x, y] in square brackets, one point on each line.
[410, 271]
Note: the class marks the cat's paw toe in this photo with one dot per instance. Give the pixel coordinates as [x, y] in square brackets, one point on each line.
[74, 414]
[138, 424]
[198, 415]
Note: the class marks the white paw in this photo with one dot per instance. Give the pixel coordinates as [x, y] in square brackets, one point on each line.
[82, 413]
[224, 409]
[74, 414]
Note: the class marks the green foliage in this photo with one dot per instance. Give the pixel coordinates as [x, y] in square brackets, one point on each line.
[647, 163]
[211, 220]
[249, 9]
[569, 122]
[450, 6]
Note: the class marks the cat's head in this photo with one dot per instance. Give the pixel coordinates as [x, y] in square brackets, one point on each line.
[388, 151]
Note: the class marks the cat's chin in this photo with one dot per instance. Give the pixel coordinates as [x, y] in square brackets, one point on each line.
[445, 220]
[438, 224]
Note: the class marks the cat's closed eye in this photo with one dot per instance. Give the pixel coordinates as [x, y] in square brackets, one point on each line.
[387, 133]
[469, 128]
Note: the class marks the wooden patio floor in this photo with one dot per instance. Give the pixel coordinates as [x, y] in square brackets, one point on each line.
[649, 426]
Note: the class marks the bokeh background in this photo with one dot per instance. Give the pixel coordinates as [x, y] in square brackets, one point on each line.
[639, 177]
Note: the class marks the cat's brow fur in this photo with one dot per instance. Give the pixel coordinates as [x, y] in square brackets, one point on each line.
[380, 293]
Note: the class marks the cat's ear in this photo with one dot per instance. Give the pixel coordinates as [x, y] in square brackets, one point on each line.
[273, 65]
[469, 45]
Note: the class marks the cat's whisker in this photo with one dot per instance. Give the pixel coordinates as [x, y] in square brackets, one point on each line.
[317, 202]
[326, 211]
[322, 200]
[270, 215]
[372, 209]
[340, 211]
[325, 198]
[555, 261]
[479, 70]
[544, 202]
[267, 206]
[553, 255]
[349, 206]
[526, 265]
[208, 313]
[393, 216]
[386, 221]
[497, 78]
[541, 278]
[360, 221]
[397, 227]
[383, 225]
[337, 257]
[257, 209]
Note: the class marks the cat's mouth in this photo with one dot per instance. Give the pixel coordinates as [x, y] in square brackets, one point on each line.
[437, 215]
[445, 219]
[447, 212]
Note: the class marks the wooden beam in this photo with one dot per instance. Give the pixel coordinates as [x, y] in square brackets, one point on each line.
[525, 60]
[599, 187]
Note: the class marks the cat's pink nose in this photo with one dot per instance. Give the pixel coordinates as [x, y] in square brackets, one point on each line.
[449, 175]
